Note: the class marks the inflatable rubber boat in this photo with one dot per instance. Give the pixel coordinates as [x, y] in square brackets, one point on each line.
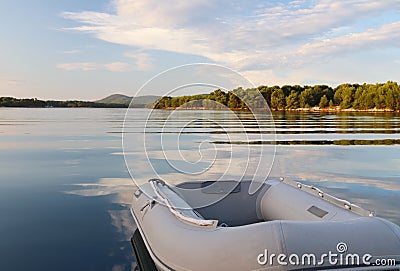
[285, 225]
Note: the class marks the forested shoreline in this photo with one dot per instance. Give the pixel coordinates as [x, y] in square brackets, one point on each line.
[346, 97]
[35, 103]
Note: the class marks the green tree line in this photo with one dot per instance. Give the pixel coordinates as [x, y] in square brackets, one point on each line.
[14, 102]
[346, 96]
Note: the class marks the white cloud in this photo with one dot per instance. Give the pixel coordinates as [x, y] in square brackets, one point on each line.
[7, 84]
[83, 66]
[14, 82]
[324, 16]
[385, 36]
[70, 52]
[170, 13]
[143, 61]
[117, 67]
[239, 35]
[267, 77]
[91, 66]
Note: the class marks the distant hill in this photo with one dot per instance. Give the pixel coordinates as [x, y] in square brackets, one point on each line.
[115, 99]
[140, 101]
[35, 103]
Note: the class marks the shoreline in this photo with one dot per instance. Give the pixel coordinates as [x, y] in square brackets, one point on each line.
[298, 110]
[335, 109]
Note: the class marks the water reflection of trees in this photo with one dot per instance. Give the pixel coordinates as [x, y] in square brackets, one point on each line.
[342, 142]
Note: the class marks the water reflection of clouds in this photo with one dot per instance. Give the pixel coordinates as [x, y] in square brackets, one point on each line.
[230, 162]
[72, 162]
[305, 164]
[48, 146]
[371, 181]
[361, 174]
[123, 222]
[338, 182]
[338, 164]
[28, 142]
[120, 190]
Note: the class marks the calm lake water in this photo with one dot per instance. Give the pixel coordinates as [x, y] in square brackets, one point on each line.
[65, 189]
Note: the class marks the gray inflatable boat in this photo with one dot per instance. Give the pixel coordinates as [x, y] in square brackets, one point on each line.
[283, 226]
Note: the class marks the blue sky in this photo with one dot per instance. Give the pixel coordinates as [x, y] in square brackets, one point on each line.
[70, 49]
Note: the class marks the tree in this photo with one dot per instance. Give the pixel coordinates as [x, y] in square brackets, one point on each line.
[278, 99]
[266, 93]
[220, 97]
[392, 94]
[175, 102]
[233, 100]
[164, 102]
[306, 98]
[347, 97]
[345, 94]
[323, 103]
[318, 91]
[292, 101]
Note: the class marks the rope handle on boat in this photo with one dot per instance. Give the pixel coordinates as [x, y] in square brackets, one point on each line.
[150, 203]
[160, 195]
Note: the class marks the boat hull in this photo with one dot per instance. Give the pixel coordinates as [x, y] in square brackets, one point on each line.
[174, 244]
